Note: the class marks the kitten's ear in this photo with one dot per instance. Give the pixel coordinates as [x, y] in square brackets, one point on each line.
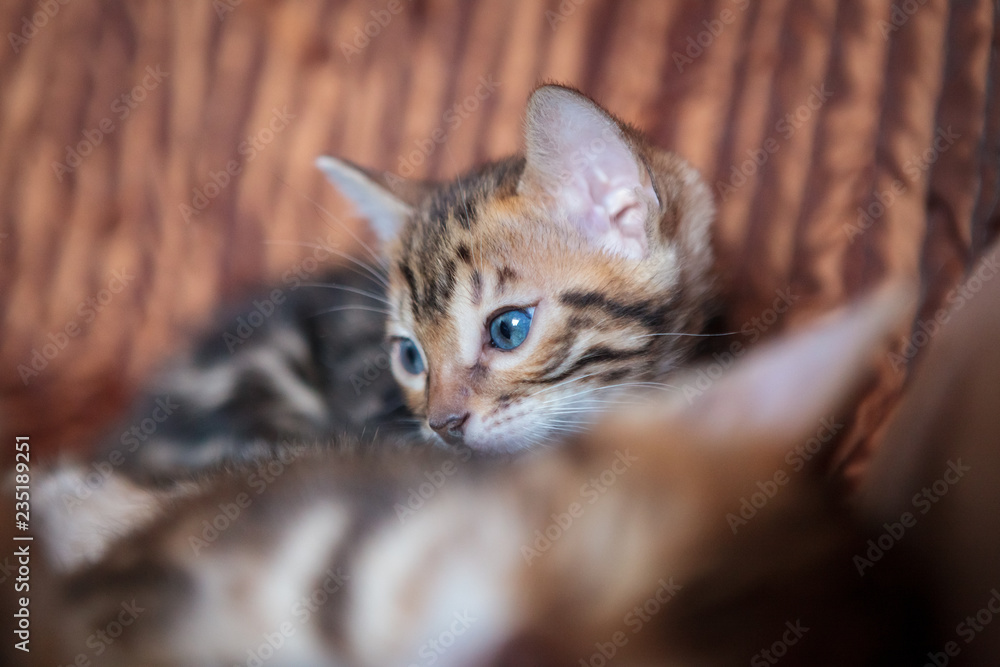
[581, 163]
[781, 393]
[384, 211]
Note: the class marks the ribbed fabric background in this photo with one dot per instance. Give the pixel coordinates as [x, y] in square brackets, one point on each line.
[842, 98]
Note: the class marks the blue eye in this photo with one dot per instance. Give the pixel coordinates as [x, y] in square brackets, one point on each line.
[409, 356]
[508, 330]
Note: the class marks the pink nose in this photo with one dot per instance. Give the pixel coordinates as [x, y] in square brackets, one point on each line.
[450, 428]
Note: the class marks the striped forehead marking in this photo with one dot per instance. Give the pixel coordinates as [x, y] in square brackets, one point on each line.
[433, 245]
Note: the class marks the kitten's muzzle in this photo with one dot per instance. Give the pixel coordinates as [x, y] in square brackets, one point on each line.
[451, 428]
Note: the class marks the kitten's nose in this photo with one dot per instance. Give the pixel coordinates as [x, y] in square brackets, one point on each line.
[450, 428]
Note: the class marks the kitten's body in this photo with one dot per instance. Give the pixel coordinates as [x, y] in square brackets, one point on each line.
[314, 369]
[391, 557]
[596, 238]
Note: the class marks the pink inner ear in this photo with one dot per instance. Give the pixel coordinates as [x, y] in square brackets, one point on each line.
[628, 210]
[577, 157]
[610, 212]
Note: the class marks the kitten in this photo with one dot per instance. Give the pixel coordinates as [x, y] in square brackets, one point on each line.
[295, 364]
[619, 545]
[526, 294]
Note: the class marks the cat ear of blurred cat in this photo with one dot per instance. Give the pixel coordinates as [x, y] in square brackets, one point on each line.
[371, 195]
[779, 394]
[581, 163]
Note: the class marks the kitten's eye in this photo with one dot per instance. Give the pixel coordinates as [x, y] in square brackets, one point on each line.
[508, 330]
[409, 356]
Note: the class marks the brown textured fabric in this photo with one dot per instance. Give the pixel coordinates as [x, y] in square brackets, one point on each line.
[837, 101]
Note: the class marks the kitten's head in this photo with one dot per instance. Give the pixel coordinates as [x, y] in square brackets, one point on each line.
[526, 294]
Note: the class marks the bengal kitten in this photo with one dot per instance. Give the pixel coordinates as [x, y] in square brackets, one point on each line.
[526, 294]
[618, 547]
[302, 362]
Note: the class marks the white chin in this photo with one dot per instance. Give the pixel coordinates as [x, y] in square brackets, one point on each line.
[483, 445]
[506, 443]
[488, 446]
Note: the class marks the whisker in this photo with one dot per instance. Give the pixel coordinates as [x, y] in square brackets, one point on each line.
[560, 384]
[564, 425]
[562, 429]
[649, 385]
[336, 309]
[375, 272]
[693, 335]
[353, 290]
[574, 411]
[590, 405]
[573, 424]
[571, 428]
[377, 257]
